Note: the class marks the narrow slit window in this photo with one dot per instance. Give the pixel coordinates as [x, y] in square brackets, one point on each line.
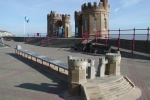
[85, 24]
[105, 23]
[95, 23]
[76, 29]
[54, 28]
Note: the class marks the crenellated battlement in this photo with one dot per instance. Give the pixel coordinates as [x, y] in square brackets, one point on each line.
[77, 13]
[78, 64]
[54, 16]
[78, 60]
[66, 16]
[103, 4]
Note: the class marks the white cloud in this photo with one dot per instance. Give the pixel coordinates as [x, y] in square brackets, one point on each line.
[116, 10]
[127, 3]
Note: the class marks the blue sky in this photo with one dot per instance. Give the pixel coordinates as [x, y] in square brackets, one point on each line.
[124, 14]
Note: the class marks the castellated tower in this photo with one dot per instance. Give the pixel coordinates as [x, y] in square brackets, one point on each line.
[91, 18]
[66, 25]
[59, 23]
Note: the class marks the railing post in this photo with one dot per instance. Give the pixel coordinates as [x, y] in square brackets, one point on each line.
[147, 39]
[87, 37]
[108, 36]
[56, 34]
[108, 33]
[96, 38]
[106, 40]
[132, 45]
[82, 37]
[48, 38]
[119, 40]
[99, 34]
[42, 42]
[133, 40]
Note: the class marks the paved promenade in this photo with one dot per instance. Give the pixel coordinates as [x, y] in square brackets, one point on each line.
[22, 80]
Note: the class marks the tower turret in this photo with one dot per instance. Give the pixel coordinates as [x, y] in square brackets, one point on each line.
[94, 17]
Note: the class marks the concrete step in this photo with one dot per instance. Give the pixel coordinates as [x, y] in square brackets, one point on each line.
[109, 95]
[107, 89]
[118, 94]
[118, 90]
[110, 90]
[103, 92]
[111, 84]
[104, 87]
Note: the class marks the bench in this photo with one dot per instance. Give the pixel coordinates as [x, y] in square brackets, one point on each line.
[100, 49]
[27, 53]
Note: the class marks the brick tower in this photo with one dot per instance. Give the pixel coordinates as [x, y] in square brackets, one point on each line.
[59, 23]
[92, 18]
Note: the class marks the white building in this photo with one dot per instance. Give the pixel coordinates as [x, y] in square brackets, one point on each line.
[5, 33]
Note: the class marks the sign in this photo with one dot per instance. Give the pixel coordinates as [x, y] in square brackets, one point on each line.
[38, 34]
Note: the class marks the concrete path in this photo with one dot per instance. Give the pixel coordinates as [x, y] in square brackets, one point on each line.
[21, 80]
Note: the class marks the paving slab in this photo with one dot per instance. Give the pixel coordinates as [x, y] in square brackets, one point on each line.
[19, 78]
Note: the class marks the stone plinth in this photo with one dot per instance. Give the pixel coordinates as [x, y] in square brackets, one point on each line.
[113, 66]
[18, 47]
[76, 74]
[106, 88]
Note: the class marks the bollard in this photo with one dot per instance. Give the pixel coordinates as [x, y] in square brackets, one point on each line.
[101, 67]
[91, 69]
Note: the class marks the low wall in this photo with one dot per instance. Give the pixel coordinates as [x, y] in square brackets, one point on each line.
[139, 45]
[18, 39]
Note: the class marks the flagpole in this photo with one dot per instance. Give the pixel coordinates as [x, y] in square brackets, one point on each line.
[24, 29]
[25, 20]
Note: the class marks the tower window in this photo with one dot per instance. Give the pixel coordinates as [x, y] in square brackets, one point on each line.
[95, 23]
[105, 23]
[85, 24]
[76, 29]
[54, 28]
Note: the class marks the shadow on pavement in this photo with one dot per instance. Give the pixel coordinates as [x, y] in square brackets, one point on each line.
[55, 88]
[134, 56]
[59, 86]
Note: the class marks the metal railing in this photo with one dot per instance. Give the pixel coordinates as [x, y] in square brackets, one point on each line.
[85, 37]
[131, 38]
[30, 39]
[47, 39]
[37, 35]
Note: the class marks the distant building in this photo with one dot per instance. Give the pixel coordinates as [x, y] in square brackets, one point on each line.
[59, 23]
[92, 18]
[5, 33]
